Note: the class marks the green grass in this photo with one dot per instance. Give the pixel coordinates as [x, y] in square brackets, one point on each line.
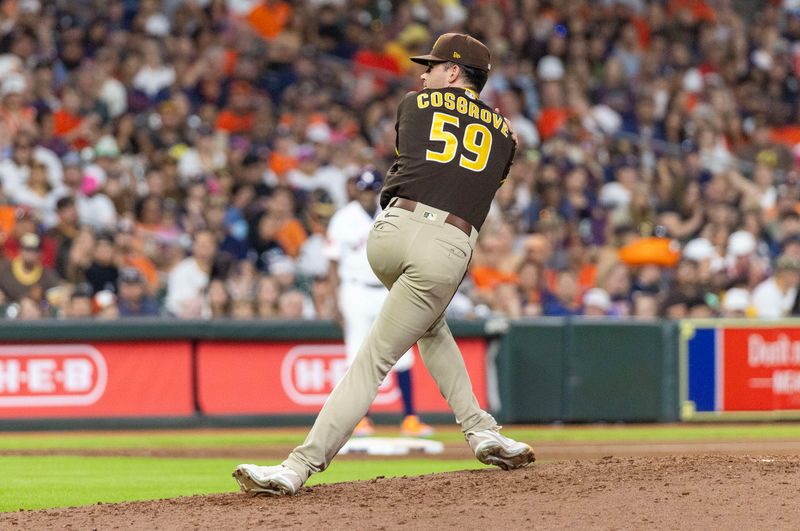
[250, 438]
[33, 482]
[65, 481]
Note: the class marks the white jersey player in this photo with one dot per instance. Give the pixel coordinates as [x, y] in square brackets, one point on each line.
[360, 293]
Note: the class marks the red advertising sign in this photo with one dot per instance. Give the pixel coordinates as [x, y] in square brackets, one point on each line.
[97, 380]
[761, 369]
[236, 378]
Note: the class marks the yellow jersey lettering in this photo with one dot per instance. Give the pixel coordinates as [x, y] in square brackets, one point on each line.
[498, 121]
[486, 116]
[436, 99]
[474, 110]
[504, 130]
[422, 101]
[449, 101]
[461, 105]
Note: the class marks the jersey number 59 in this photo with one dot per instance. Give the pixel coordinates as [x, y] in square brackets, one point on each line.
[477, 141]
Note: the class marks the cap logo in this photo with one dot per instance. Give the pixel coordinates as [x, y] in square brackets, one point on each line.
[456, 55]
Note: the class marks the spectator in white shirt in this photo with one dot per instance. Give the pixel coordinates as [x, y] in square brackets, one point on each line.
[774, 297]
[188, 280]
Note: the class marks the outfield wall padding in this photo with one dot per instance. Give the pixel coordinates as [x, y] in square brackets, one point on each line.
[544, 370]
[581, 370]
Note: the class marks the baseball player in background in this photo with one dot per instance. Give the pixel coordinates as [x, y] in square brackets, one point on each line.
[453, 152]
[361, 294]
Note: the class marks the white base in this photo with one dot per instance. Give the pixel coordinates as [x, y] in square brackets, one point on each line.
[390, 446]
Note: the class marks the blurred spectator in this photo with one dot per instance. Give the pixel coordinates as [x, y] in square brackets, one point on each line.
[104, 305]
[596, 303]
[64, 232]
[206, 157]
[25, 276]
[188, 280]
[735, 303]
[267, 295]
[775, 296]
[102, 272]
[291, 305]
[564, 299]
[132, 298]
[217, 299]
[645, 305]
[79, 305]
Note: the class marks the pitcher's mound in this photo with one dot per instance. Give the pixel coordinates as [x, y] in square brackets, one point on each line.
[687, 492]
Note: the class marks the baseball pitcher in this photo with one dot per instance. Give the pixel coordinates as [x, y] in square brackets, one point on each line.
[452, 153]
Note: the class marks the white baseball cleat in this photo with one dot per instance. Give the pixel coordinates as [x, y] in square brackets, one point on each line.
[257, 480]
[492, 448]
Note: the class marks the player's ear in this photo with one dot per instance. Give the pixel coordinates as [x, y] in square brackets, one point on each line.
[454, 74]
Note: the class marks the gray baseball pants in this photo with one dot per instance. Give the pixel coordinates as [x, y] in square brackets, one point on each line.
[422, 260]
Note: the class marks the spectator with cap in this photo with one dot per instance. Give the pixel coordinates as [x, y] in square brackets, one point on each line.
[25, 275]
[132, 297]
[735, 303]
[25, 221]
[743, 264]
[774, 297]
[311, 261]
[596, 303]
[16, 115]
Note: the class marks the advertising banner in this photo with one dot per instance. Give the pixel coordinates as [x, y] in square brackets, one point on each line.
[103, 379]
[739, 368]
[236, 378]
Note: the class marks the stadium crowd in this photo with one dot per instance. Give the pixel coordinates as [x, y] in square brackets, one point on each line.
[184, 157]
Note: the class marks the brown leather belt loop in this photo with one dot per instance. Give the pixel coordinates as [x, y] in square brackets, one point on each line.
[451, 219]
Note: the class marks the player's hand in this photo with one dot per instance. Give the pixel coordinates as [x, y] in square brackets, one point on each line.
[514, 136]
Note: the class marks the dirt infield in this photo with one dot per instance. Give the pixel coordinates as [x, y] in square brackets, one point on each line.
[674, 492]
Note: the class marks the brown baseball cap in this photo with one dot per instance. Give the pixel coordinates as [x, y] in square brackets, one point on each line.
[457, 48]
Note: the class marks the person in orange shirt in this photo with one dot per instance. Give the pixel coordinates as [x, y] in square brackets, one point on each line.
[290, 233]
[239, 116]
[71, 124]
[129, 249]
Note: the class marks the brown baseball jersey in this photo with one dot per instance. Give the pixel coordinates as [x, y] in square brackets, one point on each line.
[453, 153]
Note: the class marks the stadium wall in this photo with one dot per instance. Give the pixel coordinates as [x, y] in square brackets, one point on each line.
[157, 373]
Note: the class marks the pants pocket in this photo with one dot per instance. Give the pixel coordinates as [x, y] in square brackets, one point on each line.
[454, 250]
